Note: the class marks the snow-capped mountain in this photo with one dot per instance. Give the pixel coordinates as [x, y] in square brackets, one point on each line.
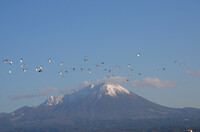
[106, 101]
[113, 89]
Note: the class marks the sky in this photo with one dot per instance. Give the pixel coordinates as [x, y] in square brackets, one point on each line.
[164, 33]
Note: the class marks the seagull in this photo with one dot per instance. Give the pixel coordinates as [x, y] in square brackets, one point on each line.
[40, 70]
[49, 60]
[118, 67]
[21, 60]
[24, 70]
[22, 65]
[85, 59]
[10, 62]
[5, 61]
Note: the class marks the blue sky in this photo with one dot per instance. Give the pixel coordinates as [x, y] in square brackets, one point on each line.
[111, 31]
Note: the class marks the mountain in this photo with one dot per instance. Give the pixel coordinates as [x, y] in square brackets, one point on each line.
[100, 105]
[54, 100]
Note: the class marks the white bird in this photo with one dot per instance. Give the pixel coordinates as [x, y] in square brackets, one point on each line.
[10, 62]
[24, 70]
[22, 65]
[49, 60]
[21, 60]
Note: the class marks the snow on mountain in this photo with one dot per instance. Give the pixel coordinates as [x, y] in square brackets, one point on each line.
[113, 89]
[92, 86]
[108, 89]
[54, 100]
[105, 101]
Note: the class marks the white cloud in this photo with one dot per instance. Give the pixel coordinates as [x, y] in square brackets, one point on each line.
[197, 73]
[152, 82]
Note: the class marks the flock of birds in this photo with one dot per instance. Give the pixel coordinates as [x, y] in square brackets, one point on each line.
[110, 71]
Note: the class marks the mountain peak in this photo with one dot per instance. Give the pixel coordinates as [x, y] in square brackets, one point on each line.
[54, 100]
[97, 102]
[112, 89]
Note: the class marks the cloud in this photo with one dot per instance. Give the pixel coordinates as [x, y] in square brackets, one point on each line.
[152, 82]
[41, 92]
[78, 87]
[146, 82]
[47, 90]
[22, 96]
[197, 73]
[113, 79]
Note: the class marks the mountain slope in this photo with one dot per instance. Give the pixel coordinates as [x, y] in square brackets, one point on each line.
[102, 102]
